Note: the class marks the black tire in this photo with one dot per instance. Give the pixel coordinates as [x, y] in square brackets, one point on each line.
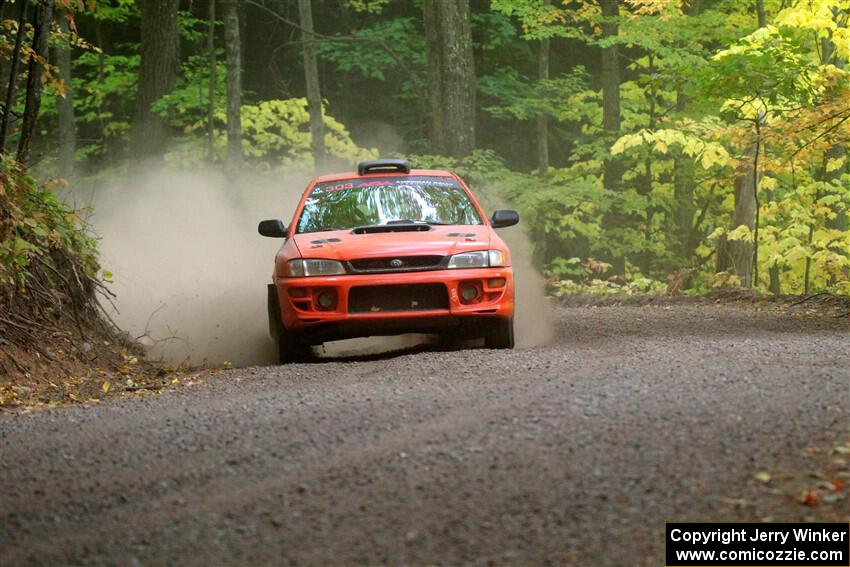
[499, 333]
[291, 347]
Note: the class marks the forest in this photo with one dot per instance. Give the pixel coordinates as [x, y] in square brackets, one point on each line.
[649, 145]
[659, 337]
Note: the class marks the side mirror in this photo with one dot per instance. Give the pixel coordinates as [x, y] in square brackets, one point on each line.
[502, 219]
[272, 228]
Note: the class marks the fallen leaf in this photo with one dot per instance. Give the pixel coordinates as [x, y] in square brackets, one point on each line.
[808, 498]
[106, 387]
[762, 477]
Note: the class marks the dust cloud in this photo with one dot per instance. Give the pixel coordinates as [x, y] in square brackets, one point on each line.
[534, 324]
[189, 269]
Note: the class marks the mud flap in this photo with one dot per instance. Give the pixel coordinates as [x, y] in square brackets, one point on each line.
[275, 324]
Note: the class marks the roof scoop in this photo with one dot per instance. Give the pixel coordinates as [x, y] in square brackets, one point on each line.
[386, 165]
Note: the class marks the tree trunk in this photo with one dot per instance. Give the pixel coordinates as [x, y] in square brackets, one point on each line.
[775, 279]
[840, 222]
[233, 49]
[612, 173]
[736, 256]
[212, 82]
[683, 182]
[762, 17]
[543, 118]
[611, 91]
[2, 61]
[451, 76]
[160, 53]
[42, 23]
[67, 131]
[13, 75]
[311, 77]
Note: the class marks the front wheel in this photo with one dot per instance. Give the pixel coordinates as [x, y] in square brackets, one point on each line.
[499, 333]
[291, 347]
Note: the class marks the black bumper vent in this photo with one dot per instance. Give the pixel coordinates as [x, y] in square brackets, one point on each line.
[413, 297]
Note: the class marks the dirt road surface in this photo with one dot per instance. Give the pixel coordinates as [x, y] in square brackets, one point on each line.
[570, 454]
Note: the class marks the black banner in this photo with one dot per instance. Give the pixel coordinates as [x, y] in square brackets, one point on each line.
[758, 545]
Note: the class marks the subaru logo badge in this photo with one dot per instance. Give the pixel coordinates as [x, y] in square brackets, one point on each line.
[396, 263]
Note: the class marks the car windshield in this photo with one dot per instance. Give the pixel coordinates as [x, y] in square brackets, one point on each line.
[352, 203]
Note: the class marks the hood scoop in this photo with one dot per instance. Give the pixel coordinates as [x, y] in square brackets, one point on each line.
[411, 227]
[470, 236]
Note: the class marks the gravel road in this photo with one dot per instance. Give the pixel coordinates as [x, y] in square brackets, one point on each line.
[570, 454]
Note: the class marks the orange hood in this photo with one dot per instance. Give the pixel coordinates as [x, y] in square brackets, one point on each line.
[439, 241]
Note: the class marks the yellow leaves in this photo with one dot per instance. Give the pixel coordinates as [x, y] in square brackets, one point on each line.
[725, 279]
[841, 40]
[717, 233]
[627, 142]
[742, 233]
[768, 183]
[749, 44]
[834, 164]
[748, 110]
[819, 16]
[665, 8]
[796, 253]
[105, 387]
[762, 477]
[707, 154]
[276, 135]
[704, 251]
[715, 155]
[812, 14]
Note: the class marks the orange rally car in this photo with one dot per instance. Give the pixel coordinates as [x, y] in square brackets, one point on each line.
[385, 251]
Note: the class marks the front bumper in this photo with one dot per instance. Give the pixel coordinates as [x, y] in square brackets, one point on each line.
[300, 308]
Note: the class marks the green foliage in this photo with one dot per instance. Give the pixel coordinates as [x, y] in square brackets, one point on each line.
[383, 48]
[696, 91]
[188, 104]
[766, 69]
[34, 227]
[521, 99]
[369, 6]
[104, 95]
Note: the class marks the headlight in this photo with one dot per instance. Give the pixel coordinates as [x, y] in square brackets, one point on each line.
[306, 268]
[480, 259]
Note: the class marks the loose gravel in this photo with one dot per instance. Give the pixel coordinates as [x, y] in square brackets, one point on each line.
[572, 454]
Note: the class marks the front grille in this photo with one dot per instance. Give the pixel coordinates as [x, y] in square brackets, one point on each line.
[412, 297]
[396, 264]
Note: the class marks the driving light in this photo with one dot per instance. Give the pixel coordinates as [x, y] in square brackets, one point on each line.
[496, 283]
[312, 267]
[326, 300]
[468, 292]
[479, 259]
